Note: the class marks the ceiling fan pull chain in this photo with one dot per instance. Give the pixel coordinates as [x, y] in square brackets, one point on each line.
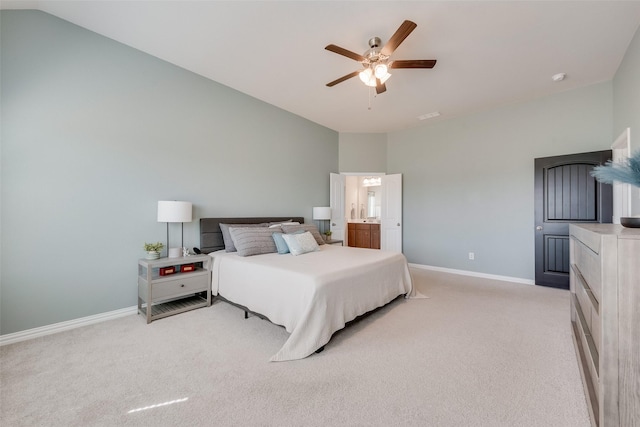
[370, 90]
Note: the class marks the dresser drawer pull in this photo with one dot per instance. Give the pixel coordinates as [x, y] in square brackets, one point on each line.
[182, 285]
[586, 287]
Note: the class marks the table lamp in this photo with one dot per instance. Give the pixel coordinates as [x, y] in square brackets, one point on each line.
[322, 214]
[174, 211]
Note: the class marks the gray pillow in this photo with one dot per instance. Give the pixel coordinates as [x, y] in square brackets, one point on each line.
[253, 241]
[290, 229]
[226, 236]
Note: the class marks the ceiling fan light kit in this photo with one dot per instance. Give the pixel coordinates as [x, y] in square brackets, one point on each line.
[381, 70]
[369, 76]
[376, 60]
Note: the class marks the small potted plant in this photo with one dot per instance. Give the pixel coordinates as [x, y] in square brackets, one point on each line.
[153, 249]
[327, 235]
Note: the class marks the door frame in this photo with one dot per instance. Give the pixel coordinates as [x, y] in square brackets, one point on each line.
[621, 150]
[383, 195]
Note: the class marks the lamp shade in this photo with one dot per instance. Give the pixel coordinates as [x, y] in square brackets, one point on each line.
[173, 211]
[322, 213]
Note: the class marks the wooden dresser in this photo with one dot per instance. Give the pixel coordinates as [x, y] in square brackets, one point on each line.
[605, 318]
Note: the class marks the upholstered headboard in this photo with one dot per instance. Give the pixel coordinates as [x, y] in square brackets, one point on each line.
[211, 236]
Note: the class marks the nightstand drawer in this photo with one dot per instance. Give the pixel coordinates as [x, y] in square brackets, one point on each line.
[180, 286]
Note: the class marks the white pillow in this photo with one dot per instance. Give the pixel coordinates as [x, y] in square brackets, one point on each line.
[301, 243]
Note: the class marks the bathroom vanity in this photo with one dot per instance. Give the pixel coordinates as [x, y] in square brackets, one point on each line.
[363, 234]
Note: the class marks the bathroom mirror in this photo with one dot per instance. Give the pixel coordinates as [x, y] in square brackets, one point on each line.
[371, 204]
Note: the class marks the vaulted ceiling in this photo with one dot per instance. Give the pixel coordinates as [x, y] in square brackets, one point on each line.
[489, 53]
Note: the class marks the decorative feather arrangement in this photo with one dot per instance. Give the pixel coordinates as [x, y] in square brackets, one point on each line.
[627, 172]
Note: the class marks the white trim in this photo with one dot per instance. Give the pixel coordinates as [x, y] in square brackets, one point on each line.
[363, 173]
[103, 317]
[621, 149]
[65, 326]
[474, 274]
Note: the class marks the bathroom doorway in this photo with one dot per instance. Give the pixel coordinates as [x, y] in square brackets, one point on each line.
[373, 200]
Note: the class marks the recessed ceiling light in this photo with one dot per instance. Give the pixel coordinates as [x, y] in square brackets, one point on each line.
[558, 77]
[428, 115]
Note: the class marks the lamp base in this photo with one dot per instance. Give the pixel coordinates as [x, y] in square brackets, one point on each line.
[175, 252]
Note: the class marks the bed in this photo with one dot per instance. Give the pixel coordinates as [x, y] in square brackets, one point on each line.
[312, 295]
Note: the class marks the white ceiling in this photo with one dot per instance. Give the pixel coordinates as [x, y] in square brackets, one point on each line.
[489, 53]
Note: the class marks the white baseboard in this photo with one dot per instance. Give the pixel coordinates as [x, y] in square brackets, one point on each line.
[65, 326]
[474, 274]
[85, 321]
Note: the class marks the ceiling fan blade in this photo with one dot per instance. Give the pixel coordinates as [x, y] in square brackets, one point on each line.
[380, 87]
[344, 52]
[343, 78]
[413, 63]
[398, 37]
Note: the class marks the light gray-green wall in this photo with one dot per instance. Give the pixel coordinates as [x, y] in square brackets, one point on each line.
[94, 133]
[626, 103]
[363, 152]
[468, 183]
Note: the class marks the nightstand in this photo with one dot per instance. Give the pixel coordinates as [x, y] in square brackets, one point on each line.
[335, 242]
[173, 293]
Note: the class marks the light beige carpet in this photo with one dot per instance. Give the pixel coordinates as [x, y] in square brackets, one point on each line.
[476, 353]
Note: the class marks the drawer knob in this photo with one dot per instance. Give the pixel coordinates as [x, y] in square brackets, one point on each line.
[182, 285]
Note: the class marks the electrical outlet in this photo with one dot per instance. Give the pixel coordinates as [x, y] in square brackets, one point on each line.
[472, 256]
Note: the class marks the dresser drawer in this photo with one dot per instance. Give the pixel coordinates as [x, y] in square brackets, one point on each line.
[180, 286]
[590, 239]
[596, 329]
[590, 311]
[591, 359]
[582, 298]
[589, 266]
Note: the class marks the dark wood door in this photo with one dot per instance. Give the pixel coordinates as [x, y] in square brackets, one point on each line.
[565, 192]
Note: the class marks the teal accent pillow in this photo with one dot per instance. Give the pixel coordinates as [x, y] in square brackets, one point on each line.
[281, 245]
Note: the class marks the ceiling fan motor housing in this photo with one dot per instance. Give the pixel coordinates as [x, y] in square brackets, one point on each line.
[374, 55]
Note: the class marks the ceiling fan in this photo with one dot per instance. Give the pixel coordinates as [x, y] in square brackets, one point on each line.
[376, 61]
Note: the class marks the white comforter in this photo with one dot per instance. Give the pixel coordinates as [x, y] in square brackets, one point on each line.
[311, 295]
